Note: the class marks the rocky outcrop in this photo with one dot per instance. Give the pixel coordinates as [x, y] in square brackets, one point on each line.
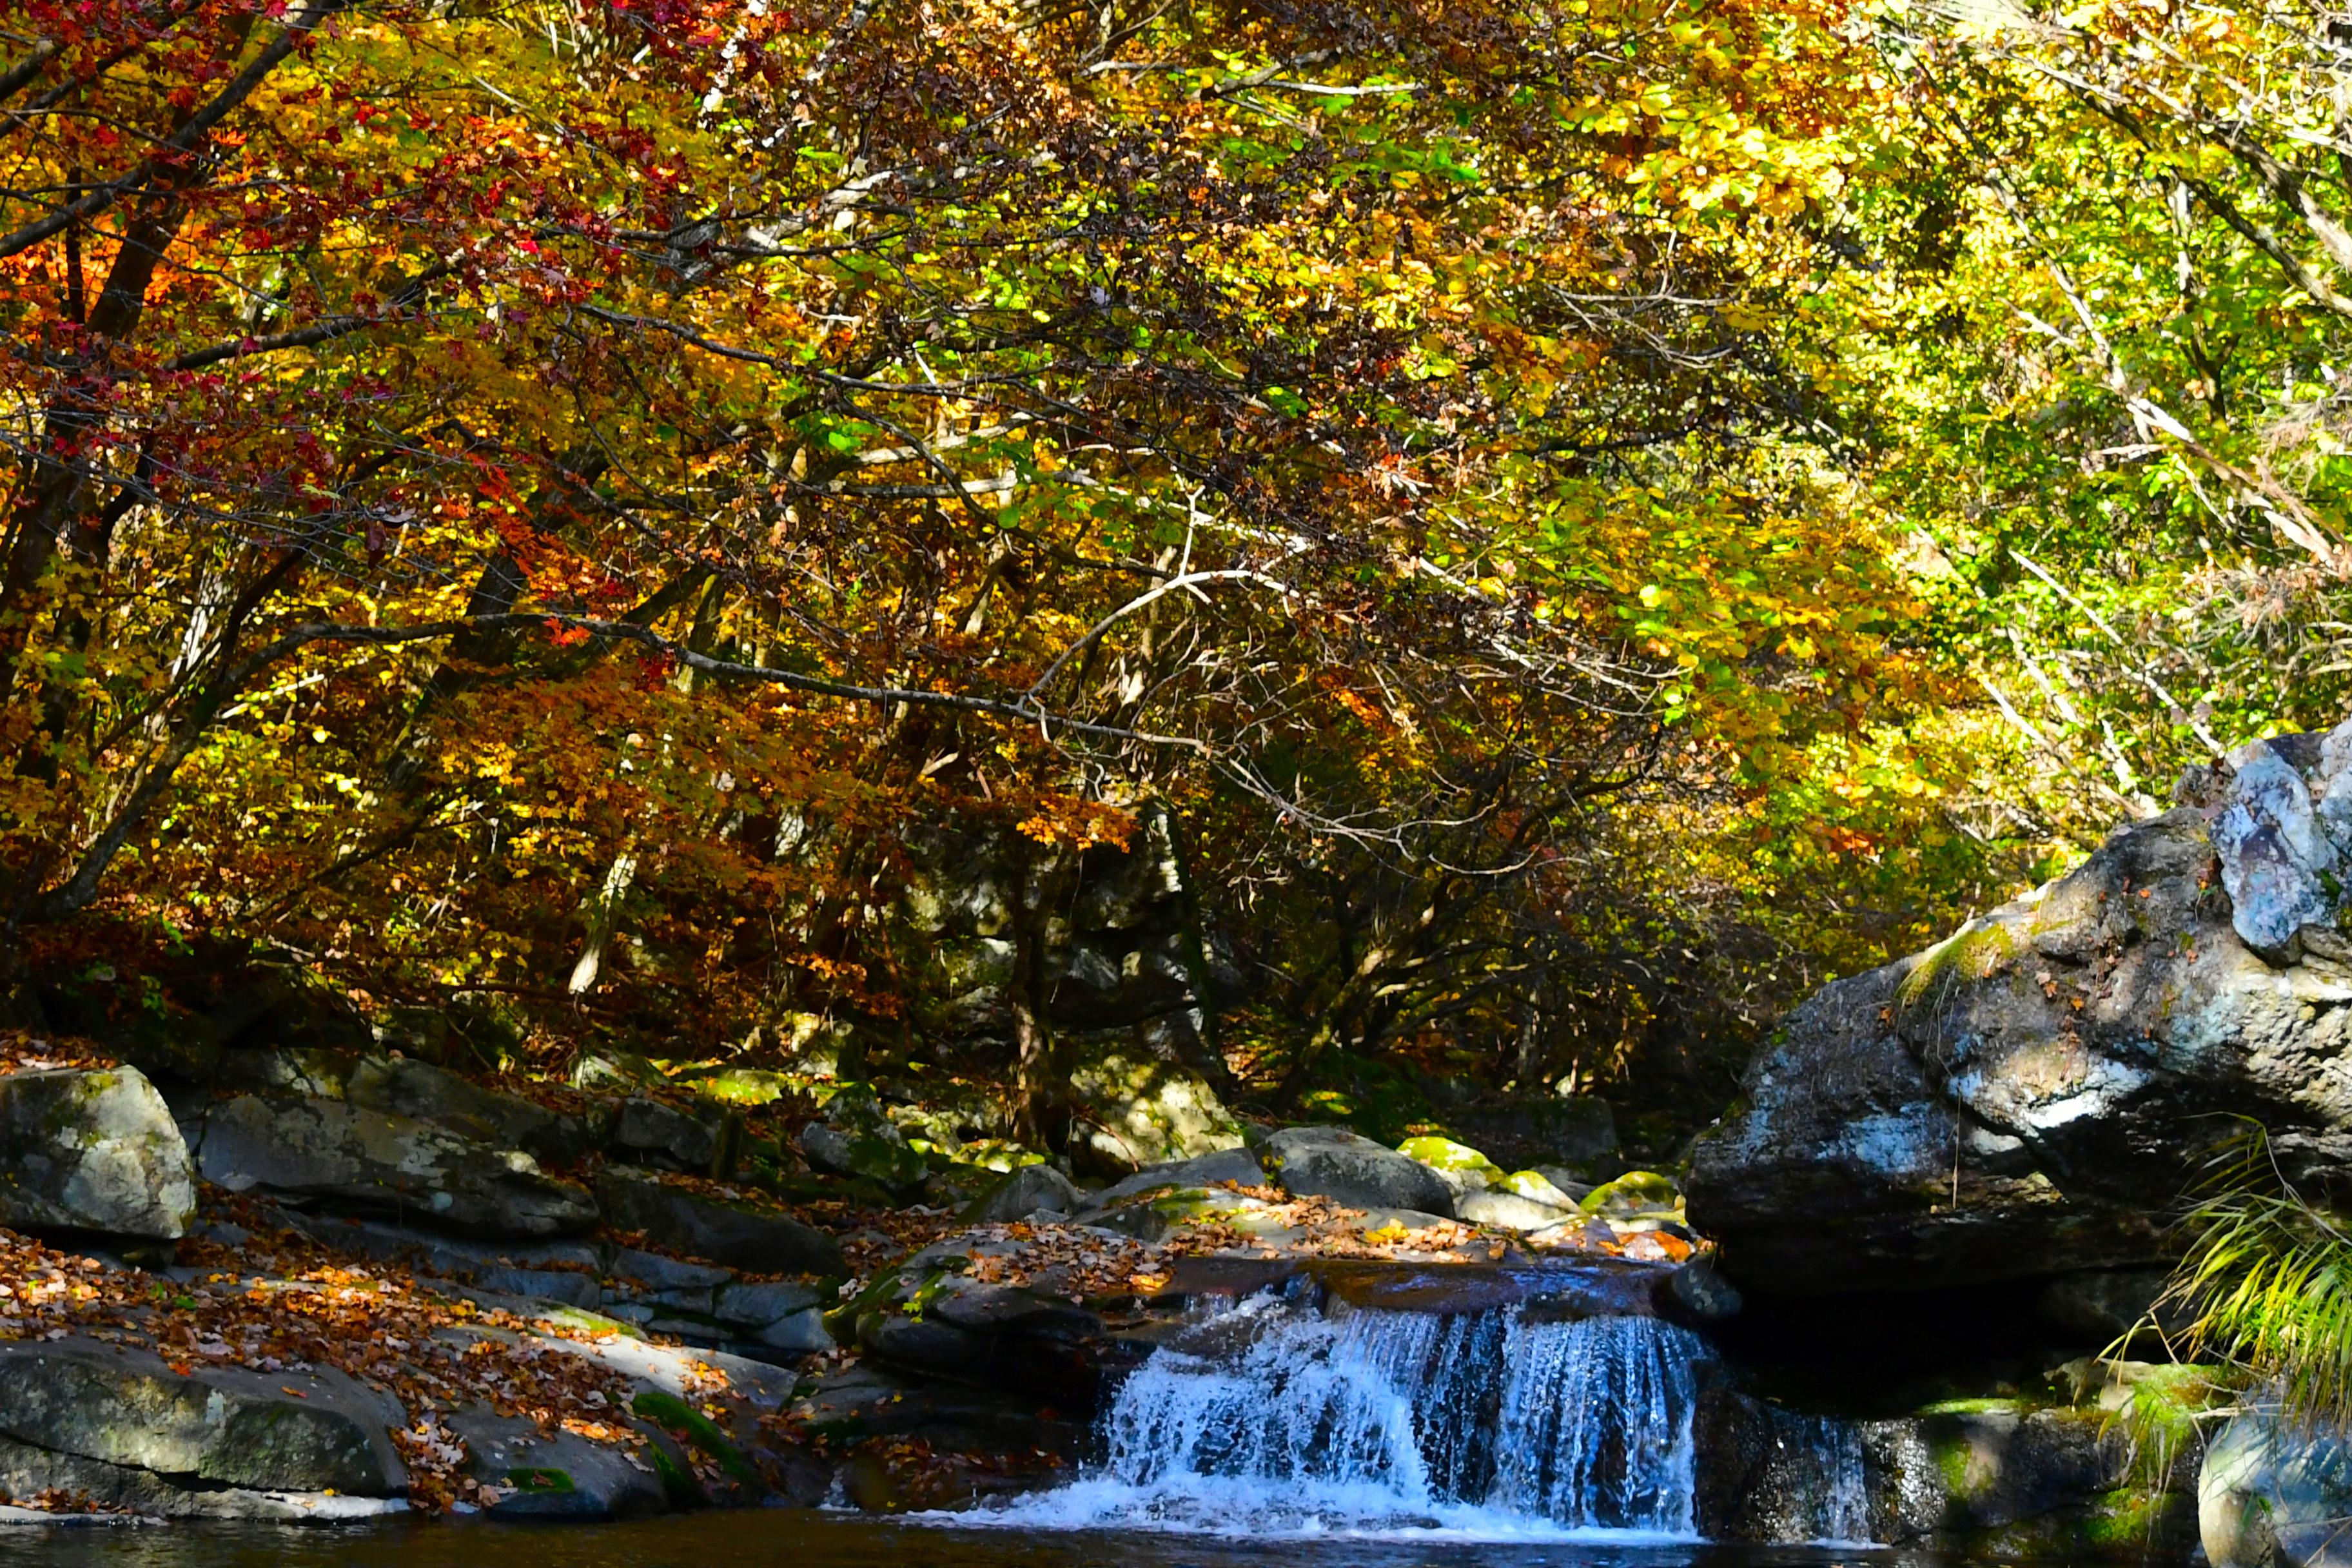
[92, 1150]
[423, 1092]
[312, 1147]
[121, 1427]
[2032, 1095]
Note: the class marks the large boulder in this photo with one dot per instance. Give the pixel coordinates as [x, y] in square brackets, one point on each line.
[741, 1235]
[331, 1148]
[2032, 1095]
[1333, 1162]
[423, 1092]
[2275, 1493]
[92, 1150]
[315, 1431]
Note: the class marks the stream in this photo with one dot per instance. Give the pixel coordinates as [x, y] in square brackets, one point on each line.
[802, 1538]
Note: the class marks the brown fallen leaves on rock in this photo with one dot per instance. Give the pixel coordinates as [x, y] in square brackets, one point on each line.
[278, 1303]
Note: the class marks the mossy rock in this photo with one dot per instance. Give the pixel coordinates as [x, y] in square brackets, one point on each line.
[1450, 1159]
[1534, 1186]
[697, 1430]
[539, 1481]
[1634, 1192]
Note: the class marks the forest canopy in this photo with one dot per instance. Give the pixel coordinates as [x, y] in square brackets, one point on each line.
[1587, 518]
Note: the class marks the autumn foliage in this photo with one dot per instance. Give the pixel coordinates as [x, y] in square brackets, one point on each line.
[530, 500]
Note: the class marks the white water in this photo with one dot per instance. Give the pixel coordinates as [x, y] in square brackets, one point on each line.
[1270, 1418]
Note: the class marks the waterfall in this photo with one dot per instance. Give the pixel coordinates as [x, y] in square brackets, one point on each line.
[1270, 1416]
[1596, 1425]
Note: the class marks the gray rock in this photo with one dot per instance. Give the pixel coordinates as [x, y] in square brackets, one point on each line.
[1025, 1191]
[652, 1271]
[763, 1302]
[1508, 1211]
[423, 1092]
[1002, 1308]
[856, 1138]
[1695, 1293]
[2276, 863]
[1238, 1166]
[739, 1234]
[564, 1272]
[1335, 1163]
[2273, 1494]
[804, 1331]
[561, 1476]
[223, 1425]
[653, 1133]
[92, 1150]
[28, 1472]
[2032, 1095]
[382, 1161]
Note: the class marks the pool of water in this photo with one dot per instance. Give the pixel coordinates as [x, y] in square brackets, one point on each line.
[841, 1540]
[802, 1539]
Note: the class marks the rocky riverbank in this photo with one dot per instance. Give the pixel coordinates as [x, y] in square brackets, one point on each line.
[309, 1284]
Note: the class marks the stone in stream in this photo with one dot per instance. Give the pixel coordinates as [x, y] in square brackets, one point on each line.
[737, 1233]
[379, 1160]
[122, 1420]
[1336, 1163]
[93, 1148]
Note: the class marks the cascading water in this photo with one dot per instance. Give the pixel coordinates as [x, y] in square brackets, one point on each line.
[1269, 1416]
[1596, 1424]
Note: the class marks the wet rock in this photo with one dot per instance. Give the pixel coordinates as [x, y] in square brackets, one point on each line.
[2274, 1493]
[1333, 1162]
[379, 1160]
[1696, 1294]
[423, 1092]
[741, 1235]
[225, 1426]
[94, 1150]
[1025, 1191]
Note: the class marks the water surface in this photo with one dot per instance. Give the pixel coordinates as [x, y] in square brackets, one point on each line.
[805, 1539]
